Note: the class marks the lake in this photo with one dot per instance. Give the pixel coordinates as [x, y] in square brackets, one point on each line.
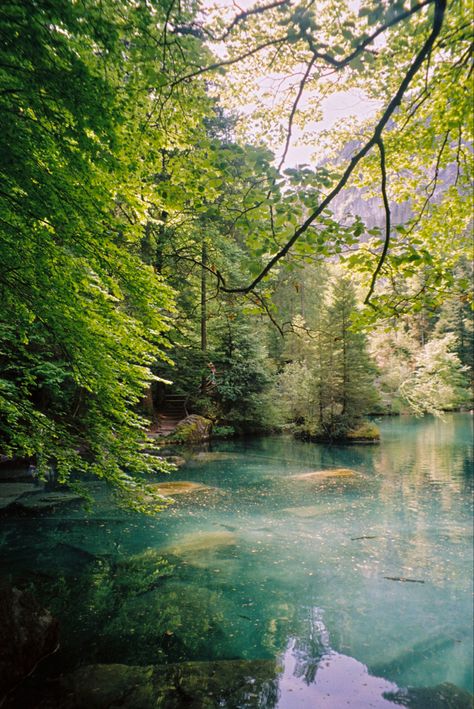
[267, 586]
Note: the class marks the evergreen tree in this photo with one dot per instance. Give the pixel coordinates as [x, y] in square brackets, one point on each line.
[344, 373]
[243, 376]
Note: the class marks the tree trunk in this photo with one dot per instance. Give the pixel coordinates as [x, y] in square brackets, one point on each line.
[203, 297]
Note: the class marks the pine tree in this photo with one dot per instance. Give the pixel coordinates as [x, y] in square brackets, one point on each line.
[343, 372]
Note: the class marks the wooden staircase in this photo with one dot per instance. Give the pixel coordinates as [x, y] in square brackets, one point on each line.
[171, 412]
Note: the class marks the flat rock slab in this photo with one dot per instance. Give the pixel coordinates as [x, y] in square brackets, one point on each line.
[11, 492]
[231, 683]
[212, 456]
[316, 475]
[180, 487]
[191, 546]
[47, 500]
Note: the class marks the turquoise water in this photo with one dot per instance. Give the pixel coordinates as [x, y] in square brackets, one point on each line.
[357, 585]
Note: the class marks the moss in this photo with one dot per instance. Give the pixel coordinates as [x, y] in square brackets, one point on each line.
[366, 432]
[192, 429]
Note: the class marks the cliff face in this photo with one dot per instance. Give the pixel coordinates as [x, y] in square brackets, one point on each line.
[353, 201]
[370, 209]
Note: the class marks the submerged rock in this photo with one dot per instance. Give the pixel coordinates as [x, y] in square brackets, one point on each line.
[443, 696]
[211, 456]
[322, 474]
[11, 492]
[231, 683]
[191, 546]
[39, 501]
[28, 633]
[180, 487]
[177, 460]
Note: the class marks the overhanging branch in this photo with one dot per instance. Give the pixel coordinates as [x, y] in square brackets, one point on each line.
[440, 7]
[386, 206]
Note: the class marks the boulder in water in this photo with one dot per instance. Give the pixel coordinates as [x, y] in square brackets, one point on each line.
[192, 429]
[192, 546]
[212, 456]
[47, 501]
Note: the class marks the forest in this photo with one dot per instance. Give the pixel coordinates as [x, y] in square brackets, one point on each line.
[154, 238]
[236, 354]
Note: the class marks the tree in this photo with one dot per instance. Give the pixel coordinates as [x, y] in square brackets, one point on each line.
[415, 61]
[83, 318]
[436, 382]
[419, 375]
[344, 373]
[330, 387]
[243, 375]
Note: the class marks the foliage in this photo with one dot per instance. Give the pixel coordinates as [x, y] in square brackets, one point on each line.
[419, 377]
[223, 432]
[243, 376]
[83, 318]
[413, 63]
[134, 209]
[331, 387]
[436, 382]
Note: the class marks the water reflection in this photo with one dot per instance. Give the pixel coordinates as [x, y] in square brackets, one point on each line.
[338, 681]
[275, 567]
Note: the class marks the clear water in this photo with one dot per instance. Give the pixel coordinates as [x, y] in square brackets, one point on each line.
[265, 565]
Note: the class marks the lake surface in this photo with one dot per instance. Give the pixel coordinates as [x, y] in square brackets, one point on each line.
[347, 589]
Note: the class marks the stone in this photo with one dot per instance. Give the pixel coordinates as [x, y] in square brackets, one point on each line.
[175, 460]
[442, 696]
[40, 501]
[192, 429]
[180, 487]
[11, 492]
[316, 475]
[192, 546]
[211, 456]
[28, 633]
[229, 683]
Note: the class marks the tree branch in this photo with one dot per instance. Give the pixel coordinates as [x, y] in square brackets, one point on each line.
[227, 62]
[386, 205]
[440, 7]
[242, 16]
[294, 109]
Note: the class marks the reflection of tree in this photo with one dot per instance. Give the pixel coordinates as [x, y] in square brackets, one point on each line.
[434, 455]
[422, 479]
[311, 647]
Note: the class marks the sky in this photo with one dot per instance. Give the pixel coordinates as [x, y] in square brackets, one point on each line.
[337, 107]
